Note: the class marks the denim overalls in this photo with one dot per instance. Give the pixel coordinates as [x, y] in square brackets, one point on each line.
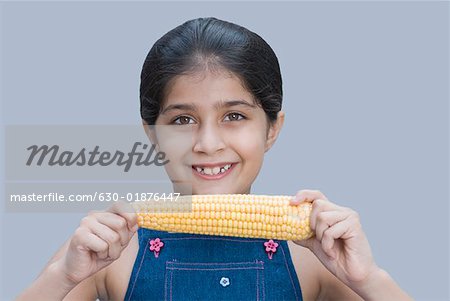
[176, 266]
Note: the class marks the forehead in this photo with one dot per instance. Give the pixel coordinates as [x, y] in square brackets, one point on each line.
[206, 87]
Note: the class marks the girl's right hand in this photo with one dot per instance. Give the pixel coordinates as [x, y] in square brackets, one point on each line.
[98, 241]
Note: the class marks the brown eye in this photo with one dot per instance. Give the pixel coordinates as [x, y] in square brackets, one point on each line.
[235, 116]
[182, 120]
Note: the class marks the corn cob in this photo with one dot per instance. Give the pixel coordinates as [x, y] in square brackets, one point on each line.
[241, 215]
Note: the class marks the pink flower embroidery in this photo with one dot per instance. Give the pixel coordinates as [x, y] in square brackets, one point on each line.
[271, 247]
[155, 246]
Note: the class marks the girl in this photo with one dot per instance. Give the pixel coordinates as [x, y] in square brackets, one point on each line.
[221, 84]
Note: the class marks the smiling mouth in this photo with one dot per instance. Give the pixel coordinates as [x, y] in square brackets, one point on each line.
[212, 171]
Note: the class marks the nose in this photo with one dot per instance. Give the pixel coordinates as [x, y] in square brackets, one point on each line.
[208, 140]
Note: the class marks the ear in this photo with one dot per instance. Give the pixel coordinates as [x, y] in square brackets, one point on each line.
[151, 134]
[274, 130]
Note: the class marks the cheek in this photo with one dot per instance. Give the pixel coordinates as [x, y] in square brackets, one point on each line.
[174, 142]
[249, 143]
[177, 146]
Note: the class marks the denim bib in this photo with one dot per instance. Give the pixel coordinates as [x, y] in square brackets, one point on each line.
[177, 266]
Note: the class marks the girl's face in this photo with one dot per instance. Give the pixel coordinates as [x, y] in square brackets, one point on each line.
[227, 133]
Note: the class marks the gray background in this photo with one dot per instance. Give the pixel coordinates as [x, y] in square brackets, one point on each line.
[366, 96]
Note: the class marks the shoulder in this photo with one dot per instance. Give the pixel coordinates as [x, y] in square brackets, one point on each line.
[316, 281]
[113, 283]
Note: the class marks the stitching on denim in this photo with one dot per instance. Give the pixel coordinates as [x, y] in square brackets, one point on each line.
[289, 273]
[137, 274]
[262, 283]
[214, 269]
[214, 263]
[171, 279]
[214, 238]
[257, 288]
[165, 283]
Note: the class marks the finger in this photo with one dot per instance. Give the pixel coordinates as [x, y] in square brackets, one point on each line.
[101, 225]
[114, 246]
[126, 211]
[318, 206]
[115, 223]
[89, 241]
[111, 237]
[333, 233]
[307, 195]
[326, 219]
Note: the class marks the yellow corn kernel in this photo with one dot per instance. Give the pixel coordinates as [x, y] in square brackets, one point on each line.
[240, 215]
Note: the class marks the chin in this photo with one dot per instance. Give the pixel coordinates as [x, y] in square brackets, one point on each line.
[211, 190]
[218, 190]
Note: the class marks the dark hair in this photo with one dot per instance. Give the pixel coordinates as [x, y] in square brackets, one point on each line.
[211, 43]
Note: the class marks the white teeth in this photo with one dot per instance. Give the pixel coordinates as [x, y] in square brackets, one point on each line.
[213, 171]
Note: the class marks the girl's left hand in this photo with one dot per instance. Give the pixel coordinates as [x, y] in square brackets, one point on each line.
[339, 241]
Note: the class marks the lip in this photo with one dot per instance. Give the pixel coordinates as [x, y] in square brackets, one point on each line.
[212, 164]
[213, 177]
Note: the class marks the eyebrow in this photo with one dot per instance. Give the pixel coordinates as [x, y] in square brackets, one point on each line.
[218, 105]
[233, 103]
[179, 106]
